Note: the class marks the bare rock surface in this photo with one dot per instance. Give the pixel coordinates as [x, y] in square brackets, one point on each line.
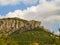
[10, 25]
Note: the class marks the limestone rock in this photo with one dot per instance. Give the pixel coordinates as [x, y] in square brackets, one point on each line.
[8, 26]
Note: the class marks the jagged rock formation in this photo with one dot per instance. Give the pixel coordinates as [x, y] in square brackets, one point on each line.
[10, 25]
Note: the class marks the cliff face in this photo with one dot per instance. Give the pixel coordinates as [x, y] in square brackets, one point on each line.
[8, 26]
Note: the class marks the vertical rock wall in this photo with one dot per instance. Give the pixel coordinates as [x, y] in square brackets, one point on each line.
[10, 26]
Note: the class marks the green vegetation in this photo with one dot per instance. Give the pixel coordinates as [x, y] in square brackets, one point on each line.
[37, 36]
[32, 37]
[15, 18]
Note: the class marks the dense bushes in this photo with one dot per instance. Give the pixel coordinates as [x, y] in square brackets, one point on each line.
[6, 40]
[31, 37]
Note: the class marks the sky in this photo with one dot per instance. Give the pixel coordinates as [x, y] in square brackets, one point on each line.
[46, 11]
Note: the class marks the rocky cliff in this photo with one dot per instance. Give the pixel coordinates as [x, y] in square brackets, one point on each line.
[10, 25]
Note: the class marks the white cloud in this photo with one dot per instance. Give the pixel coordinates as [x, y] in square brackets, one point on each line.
[7, 2]
[44, 9]
[52, 18]
[17, 13]
[14, 2]
[58, 33]
[39, 12]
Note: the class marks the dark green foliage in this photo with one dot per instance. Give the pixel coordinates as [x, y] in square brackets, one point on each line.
[36, 36]
[6, 40]
[15, 18]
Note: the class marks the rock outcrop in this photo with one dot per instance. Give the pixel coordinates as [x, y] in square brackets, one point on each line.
[10, 25]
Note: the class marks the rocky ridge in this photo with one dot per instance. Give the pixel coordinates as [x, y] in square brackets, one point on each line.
[10, 25]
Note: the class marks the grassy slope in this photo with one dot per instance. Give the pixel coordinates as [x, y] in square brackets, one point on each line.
[33, 37]
[38, 36]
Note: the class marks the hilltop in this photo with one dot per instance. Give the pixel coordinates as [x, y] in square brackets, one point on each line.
[16, 31]
[11, 25]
